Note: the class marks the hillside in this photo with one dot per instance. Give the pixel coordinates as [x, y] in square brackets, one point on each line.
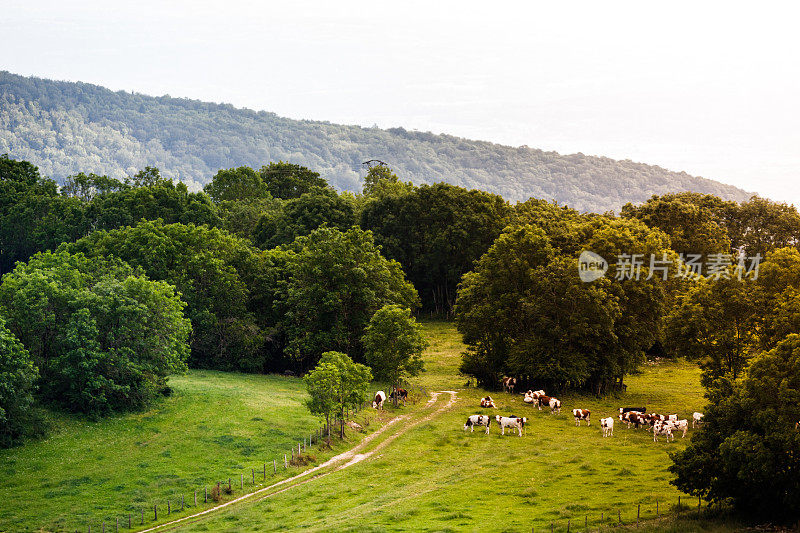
[66, 128]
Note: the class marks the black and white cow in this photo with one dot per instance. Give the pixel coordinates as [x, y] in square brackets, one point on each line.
[478, 420]
[380, 397]
[511, 422]
[608, 426]
[581, 414]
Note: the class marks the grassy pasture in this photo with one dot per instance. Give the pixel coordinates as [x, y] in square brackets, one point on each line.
[436, 477]
[216, 425]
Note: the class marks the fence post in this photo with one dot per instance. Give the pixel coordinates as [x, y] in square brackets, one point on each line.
[195, 498]
[229, 485]
[567, 525]
[116, 526]
[142, 515]
[265, 471]
[104, 526]
[619, 516]
[274, 467]
[657, 515]
[285, 463]
[679, 500]
[241, 481]
[182, 505]
[169, 508]
[205, 494]
[155, 511]
[551, 527]
[586, 522]
[129, 520]
[254, 475]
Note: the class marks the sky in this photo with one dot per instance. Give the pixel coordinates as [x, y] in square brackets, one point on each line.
[708, 88]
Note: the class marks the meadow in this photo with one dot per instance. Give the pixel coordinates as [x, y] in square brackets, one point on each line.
[425, 473]
[214, 426]
[436, 477]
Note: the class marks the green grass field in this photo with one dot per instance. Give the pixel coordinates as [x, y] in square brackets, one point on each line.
[215, 425]
[432, 477]
[436, 477]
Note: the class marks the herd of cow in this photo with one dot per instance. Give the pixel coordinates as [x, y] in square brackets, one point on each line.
[665, 425]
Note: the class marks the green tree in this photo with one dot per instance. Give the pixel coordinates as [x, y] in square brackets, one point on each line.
[287, 180]
[748, 449]
[18, 376]
[104, 337]
[336, 385]
[219, 276]
[338, 280]
[86, 187]
[693, 221]
[436, 232]
[393, 343]
[525, 311]
[149, 177]
[381, 181]
[760, 225]
[241, 183]
[300, 216]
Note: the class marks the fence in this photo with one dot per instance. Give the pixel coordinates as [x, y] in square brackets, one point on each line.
[196, 499]
[631, 516]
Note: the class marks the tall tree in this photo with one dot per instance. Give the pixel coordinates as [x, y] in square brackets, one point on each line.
[338, 280]
[241, 183]
[393, 343]
[18, 377]
[287, 180]
[336, 385]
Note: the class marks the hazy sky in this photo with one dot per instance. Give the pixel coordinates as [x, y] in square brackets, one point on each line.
[709, 88]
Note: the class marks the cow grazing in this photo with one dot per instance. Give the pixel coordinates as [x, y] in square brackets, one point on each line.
[697, 419]
[380, 397]
[511, 422]
[623, 410]
[488, 402]
[555, 405]
[478, 420]
[581, 414]
[662, 428]
[636, 418]
[402, 394]
[679, 425]
[509, 384]
[542, 400]
[608, 426]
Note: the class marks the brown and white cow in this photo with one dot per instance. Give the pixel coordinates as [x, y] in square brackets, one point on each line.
[511, 422]
[380, 397]
[623, 410]
[555, 405]
[542, 400]
[581, 414]
[488, 402]
[662, 428]
[402, 394]
[636, 418]
[509, 384]
[529, 397]
[679, 425]
[608, 426]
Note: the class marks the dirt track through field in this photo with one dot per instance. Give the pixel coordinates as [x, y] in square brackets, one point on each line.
[339, 462]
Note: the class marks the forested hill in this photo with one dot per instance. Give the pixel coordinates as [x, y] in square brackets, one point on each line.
[66, 128]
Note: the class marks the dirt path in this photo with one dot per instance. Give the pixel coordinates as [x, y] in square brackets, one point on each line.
[339, 462]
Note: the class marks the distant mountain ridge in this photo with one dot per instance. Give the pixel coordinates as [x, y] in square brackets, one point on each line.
[66, 127]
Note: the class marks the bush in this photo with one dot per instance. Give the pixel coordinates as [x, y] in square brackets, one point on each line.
[17, 383]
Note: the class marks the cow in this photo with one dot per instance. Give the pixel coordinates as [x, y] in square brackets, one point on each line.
[380, 397]
[537, 393]
[672, 418]
[402, 394]
[509, 384]
[488, 402]
[511, 422]
[542, 400]
[634, 417]
[478, 420]
[529, 398]
[555, 405]
[662, 428]
[608, 426]
[697, 419]
[623, 410]
[581, 414]
[679, 425]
